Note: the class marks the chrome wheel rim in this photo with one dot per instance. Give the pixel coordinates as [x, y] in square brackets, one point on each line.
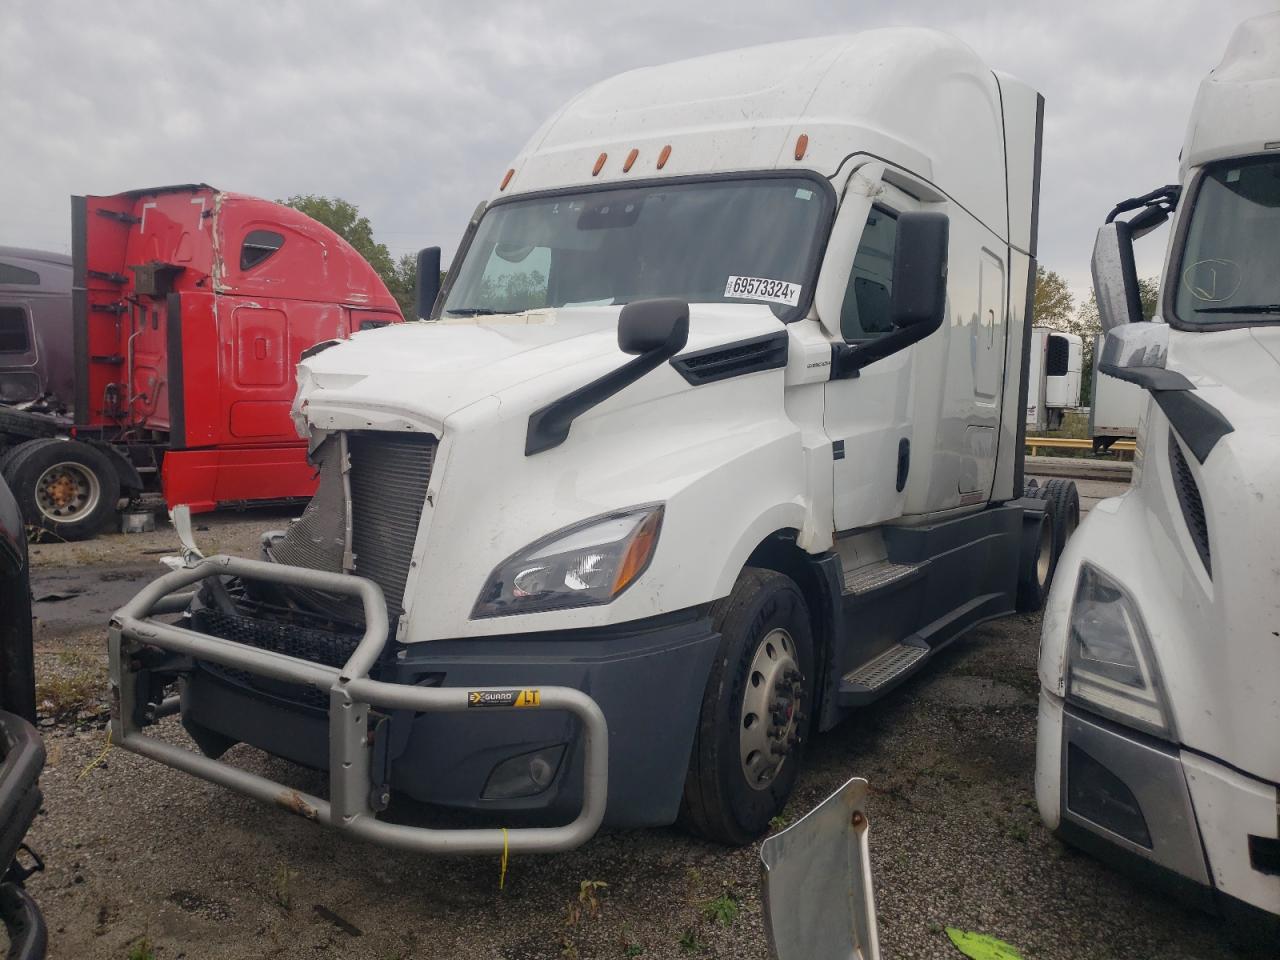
[768, 729]
[1044, 558]
[67, 492]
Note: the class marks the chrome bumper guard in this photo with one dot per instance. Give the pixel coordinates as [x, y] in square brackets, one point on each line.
[351, 694]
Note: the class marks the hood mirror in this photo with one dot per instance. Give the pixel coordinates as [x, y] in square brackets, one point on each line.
[648, 325]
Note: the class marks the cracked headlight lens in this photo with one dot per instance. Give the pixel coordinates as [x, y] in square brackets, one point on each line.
[586, 564]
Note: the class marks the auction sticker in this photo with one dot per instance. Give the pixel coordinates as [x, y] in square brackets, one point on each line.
[761, 288]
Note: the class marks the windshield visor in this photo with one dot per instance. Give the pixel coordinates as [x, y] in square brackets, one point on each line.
[1229, 272]
[741, 240]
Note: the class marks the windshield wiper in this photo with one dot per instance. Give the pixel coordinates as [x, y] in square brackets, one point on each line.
[478, 311]
[1243, 308]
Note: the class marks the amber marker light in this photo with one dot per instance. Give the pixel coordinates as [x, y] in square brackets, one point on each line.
[802, 144]
[595, 171]
[507, 179]
[662, 157]
[630, 161]
[639, 552]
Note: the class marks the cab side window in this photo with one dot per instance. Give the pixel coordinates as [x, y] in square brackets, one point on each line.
[865, 312]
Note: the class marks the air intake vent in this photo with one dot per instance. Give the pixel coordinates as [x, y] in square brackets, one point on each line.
[1184, 484]
[733, 360]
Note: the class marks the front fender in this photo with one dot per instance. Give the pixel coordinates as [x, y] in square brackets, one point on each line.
[724, 458]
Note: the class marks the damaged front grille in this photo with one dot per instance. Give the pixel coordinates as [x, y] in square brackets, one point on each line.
[388, 478]
[292, 639]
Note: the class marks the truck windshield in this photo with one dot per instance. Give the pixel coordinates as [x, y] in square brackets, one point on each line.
[730, 240]
[1228, 273]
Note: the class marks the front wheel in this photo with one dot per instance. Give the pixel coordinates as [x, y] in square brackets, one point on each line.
[755, 711]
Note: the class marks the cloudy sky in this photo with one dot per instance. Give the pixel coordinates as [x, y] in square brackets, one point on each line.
[412, 111]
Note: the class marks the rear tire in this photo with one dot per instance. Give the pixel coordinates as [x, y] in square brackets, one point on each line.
[755, 711]
[1064, 507]
[63, 486]
[1037, 563]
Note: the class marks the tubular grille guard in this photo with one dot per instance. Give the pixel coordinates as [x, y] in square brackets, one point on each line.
[351, 693]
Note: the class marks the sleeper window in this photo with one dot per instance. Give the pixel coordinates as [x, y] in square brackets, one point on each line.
[14, 336]
[865, 312]
[258, 246]
[12, 274]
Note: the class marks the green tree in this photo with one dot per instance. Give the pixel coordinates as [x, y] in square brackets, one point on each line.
[1054, 305]
[344, 219]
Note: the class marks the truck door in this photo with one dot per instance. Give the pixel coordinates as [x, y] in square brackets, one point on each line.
[868, 417]
[987, 349]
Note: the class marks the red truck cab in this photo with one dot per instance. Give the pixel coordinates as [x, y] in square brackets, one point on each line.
[191, 307]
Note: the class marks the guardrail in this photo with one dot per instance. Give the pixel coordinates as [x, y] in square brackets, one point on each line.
[1071, 443]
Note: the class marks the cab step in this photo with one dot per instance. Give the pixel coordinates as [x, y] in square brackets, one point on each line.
[876, 576]
[865, 682]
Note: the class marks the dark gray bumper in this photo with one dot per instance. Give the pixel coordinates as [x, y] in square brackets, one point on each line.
[647, 678]
[1117, 781]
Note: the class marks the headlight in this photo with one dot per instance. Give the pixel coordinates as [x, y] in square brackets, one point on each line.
[1110, 666]
[580, 566]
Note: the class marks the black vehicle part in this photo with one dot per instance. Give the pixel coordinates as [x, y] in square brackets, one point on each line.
[1064, 510]
[768, 352]
[1037, 560]
[17, 663]
[720, 803]
[21, 760]
[64, 486]
[1199, 423]
[656, 330]
[28, 936]
[1188, 493]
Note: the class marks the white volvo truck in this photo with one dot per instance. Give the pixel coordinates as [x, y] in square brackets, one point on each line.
[714, 434]
[1159, 727]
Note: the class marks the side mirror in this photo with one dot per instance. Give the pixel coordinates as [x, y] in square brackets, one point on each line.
[1115, 278]
[427, 286]
[918, 304]
[920, 270]
[648, 325]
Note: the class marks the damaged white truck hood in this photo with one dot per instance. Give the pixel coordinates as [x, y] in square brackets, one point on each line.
[415, 375]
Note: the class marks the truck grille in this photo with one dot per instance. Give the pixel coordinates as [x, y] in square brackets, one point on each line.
[389, 476]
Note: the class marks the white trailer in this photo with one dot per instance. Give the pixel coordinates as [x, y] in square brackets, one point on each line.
[714, 435]
[1053, 377]
[1116, 405]
[1160, 652]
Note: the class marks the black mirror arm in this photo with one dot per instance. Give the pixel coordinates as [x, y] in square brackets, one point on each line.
[848, 358]
[549, 425]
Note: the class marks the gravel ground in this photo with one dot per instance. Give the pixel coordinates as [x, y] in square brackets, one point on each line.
[140, 855]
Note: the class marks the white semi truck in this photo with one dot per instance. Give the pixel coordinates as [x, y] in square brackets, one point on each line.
[1160, 655]
[714, 434]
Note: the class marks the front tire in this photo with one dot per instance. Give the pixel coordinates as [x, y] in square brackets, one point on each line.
[63, 486]
[755, 711]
